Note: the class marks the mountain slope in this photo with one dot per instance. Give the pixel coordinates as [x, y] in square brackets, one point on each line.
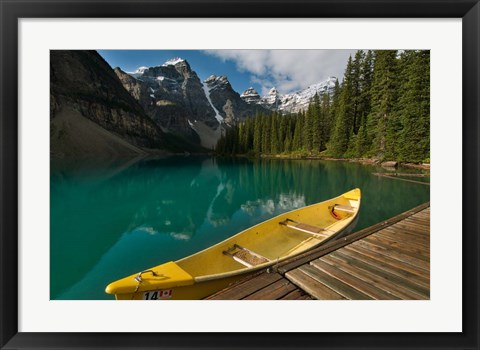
[81, 81]
[229, 104]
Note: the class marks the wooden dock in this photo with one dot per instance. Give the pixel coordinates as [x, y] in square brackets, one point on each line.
[387, 261]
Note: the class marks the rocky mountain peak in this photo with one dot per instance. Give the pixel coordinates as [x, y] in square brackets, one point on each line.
[174, 61]
[273, 91]
[271, 100]
[250, 95]
[140, 70]
[218, 82]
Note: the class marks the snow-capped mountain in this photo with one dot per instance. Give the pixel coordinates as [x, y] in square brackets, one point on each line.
[293, 102]
[250, 96]
[271, 100]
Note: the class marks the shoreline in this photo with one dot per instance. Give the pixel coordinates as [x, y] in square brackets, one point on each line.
[390, 165]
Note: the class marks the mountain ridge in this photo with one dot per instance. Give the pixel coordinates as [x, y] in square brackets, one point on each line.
[293, 102]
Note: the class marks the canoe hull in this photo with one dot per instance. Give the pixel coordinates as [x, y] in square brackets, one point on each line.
[193, 292]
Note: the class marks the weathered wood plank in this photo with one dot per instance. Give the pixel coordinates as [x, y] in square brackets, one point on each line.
[425, 215]
[335, 284]
[406, 236]
[311, 286]
[400, 264]
[418, 223]
[384, 266]
[401, 248]
[305, 297]
[377, 281]
[404, 283]
[297, 294]
[424, 229]
[420, 219]
[353, 281]
[404, 240]
[411, 231]
[425, 265]
[244, 288]
[273, 291]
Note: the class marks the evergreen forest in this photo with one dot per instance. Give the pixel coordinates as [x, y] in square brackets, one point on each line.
[380, 110]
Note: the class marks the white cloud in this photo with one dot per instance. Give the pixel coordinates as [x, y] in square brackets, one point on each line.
[287, 70]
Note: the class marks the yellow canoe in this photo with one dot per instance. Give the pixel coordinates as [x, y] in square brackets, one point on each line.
[255, 248]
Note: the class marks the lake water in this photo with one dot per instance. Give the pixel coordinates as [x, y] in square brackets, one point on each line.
[109, 222]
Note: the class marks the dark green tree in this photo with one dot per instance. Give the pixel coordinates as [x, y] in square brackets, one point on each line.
[414, 107]
[383, 100]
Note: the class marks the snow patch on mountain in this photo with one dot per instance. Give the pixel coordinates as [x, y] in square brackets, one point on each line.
[173, 61]
[206, 89]
[140, 70]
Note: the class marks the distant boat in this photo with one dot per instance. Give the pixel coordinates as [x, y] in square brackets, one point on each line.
[255, 248]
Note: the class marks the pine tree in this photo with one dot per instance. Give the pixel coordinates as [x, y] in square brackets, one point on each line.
[274, 138]
[383, 99]
[345, 114]
[365, 87]
[298, 134]
[257, 134]
[325, 121]
[282, 132]
[307, 130]
[414, 107]
[355, 81]
[266, 135]
[316, 123]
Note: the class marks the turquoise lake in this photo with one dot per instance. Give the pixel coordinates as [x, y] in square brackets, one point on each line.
[111, 221]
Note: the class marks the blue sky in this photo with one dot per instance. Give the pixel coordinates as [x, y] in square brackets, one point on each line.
[287, 70]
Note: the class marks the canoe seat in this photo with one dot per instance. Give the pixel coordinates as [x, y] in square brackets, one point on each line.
[245, 256]
[345, 208]
[300, 226]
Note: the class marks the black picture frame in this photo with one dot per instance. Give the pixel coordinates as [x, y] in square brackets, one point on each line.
[12, 11]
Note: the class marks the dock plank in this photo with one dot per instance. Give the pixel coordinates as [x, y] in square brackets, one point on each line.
[297, 294]
[400, 264]
[244, 288]
[334, 284]
[410, 233]
[403, 249]
[377, 281]
[381, 249]
[316, 289]
[415, 291]
[385, 266]
[273, 291]
[394, 235]
[354, 282]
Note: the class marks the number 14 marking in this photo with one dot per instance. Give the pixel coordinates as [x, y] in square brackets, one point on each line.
[158, 294]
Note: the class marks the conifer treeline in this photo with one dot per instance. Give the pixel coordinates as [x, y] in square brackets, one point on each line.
[380, 110]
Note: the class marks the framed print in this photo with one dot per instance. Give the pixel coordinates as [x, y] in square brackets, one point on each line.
[205, 119]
